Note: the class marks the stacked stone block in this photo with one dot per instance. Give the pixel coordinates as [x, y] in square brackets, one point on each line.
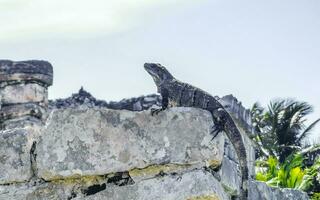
[23, 91]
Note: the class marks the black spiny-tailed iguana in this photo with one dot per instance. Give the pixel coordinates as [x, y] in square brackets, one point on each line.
[176, 93]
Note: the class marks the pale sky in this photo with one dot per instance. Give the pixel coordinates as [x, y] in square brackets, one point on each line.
[256, 50]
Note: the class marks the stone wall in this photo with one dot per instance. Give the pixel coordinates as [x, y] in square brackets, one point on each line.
[83, 148]
[23, 91]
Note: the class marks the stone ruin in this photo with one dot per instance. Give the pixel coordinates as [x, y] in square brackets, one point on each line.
[84, 148]
[24, 91]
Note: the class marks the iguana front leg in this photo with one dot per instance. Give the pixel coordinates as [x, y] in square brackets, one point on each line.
[218, 121]
[165, 103]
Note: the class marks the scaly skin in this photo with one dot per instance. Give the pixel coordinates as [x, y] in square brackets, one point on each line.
[176, 93]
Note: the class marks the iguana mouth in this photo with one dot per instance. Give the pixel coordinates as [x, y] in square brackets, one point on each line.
[148, 67]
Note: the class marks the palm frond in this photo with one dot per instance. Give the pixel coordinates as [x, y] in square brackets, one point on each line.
[308, 130]
[281, 127]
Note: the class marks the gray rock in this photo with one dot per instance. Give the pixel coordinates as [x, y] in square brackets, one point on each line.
[21, 110]
[27, 67]
[82, 142]
[238, 112]
[191, 185]
[15, 147]
[85, 99]
[23, 93]
[137, 103]
[44, 191]
[230, 171]
[233, 106]
[98, 153]
[80, 99]
[32, 70]
[260, 190]
[16, 192]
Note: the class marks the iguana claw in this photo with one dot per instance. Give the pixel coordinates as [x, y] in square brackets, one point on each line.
[156, 111]
[215, 132]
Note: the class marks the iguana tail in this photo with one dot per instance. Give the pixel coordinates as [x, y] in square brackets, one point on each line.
[235, 138]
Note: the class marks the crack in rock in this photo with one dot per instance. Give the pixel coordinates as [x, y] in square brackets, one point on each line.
[72, 195]
[33, 159]
[119, 179]
[94, 189]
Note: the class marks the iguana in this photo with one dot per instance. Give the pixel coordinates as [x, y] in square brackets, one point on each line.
[176, 93]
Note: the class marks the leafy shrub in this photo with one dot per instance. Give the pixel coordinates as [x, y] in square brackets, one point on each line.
[290, 174]
[311, 177]
[315, 196]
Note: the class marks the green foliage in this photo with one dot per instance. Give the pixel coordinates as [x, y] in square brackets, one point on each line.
[311, 177]
[290, 174]
[261, 177]
[315, 196]
[271, 164]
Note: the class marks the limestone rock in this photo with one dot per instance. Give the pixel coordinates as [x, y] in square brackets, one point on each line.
[15, 148]
[98, 153]
[21, 110]
[14, 192]
[238, 112]
[80, 99]
[21, 93]
[260, 190]
[85, 99]
[82, 142]
[33, 70]
[230, 170]
[194, 184]
[189, 186]
[44, 191]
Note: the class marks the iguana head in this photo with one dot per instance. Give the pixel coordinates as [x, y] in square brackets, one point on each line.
[159, 73]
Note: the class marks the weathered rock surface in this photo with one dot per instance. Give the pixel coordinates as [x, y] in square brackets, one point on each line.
[15, 148]
[21, 93]
[44, 191]
[21, 110]
[260, 190]
[99, 153]
[194, 184]
[79, 142]
[32, 70]
[190, 185]
[80, 99]
[85, 99]
[230, 170]
[238, 112]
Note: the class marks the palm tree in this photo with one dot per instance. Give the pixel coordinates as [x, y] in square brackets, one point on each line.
[281, 128]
